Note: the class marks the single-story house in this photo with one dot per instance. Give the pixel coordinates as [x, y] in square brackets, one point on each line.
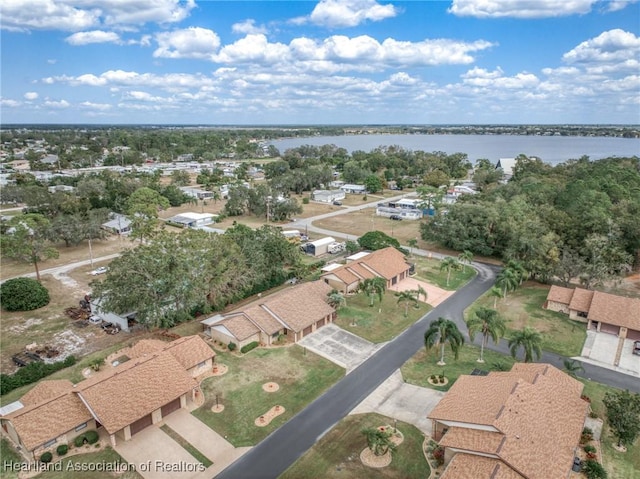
[50, 160]
[404, 213]
[197, 193]
[327, 196]
[507, 165]
[192, 220]
[604, 312]
[387, 263]
[294, 312]
[118, 224]
[354, 189]
[123, 400]
[124, 321]
[63, 188]
[521, 424]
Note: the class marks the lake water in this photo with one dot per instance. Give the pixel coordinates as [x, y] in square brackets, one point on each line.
[550, 149]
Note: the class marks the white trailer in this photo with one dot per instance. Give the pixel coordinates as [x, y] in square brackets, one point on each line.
[319, 247]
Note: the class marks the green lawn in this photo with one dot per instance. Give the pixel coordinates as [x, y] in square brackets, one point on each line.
[91, 466]
[428, 269]
[8, 455]
[422, 365]
[523, 307]
[301, 375]
[365, 321]
[337, 454]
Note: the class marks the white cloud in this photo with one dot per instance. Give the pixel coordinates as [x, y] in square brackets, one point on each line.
[9, 103]
[347, 13]
[94, 36]
[611, 46]
[120, 78]
[95, 106]
[78, 15]
[193, 42]
[58, 105]
[31, 95]
[52, 61]
[254, 49]
[615, 5]
[248, 27]
[520, 8]
[480, 77]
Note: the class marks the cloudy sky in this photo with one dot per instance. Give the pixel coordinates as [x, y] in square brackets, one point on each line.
[326, 62]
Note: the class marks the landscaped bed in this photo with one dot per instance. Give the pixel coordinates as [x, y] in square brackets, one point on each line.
[301, 377]
[337, 454]
[365, 321]
[92, 466]
[524, 307]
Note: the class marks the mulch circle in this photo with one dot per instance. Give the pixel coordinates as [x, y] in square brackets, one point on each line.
[270, 387]
[267, 417]
[397, 437]
[219, 369]
[437, 383]
[369, 459]
[217, 409]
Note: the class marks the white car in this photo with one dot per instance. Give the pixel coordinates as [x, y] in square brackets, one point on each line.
[95, 319]
[100, 270]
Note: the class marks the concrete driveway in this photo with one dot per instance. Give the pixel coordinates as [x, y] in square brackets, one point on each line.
[154, 447]
[600, 349]
[340, 346]
[405, 402]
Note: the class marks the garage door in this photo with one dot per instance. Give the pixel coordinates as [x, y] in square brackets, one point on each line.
[320, 323]
[140, 424]
[633, 334]
[169, 408]
[307, 330]
[609, 328]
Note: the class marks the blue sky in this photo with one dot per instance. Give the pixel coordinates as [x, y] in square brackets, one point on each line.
[325, 62]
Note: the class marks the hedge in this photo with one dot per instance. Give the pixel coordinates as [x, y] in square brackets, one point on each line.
[46, 457]
[89, 437]
[62, 449]
[248, 347]
[23, 294]
[31, 373]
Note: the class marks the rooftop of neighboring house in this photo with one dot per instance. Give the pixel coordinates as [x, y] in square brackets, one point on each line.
[531, 418]
[386, 263]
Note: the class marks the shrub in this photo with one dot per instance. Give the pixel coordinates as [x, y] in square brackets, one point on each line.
[31, 373]
[305, 200]
[23, 294]
[46, 457]
[62, 449]
[248, 347]
[587, 435]
[594, 470]
[92, 437]
[433, 377]
[438, 455]
[232, 346]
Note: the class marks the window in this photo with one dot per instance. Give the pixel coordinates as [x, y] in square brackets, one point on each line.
[582, 314]
[81, 427]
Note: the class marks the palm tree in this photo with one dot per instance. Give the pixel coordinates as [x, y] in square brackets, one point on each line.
[488, 323]
[572, 367]
[379, 441]
[530, 340]
[374, 287]
[440, 332]
[516, 266]
[336, 299]
[449, 263]
[496, 292]
[407, 297]
[413, 243]
[507, 280]
[466, 257]
[420, 291]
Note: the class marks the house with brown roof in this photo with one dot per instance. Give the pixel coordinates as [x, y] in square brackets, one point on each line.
[387, 263]
[157, 380]
[293, 312]
[604, 312]
[521, 424]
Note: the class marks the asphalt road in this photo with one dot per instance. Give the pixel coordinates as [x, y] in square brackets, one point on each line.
[284, 446]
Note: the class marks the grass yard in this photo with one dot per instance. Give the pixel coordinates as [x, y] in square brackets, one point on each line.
[428, 269]
[523, 307]
[302, 376]
[92, 466]
[423, 364]
[365, 321]
[337, 454]
[8, 455]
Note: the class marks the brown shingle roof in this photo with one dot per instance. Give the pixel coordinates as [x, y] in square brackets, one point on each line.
[239, 325]
[540, 418]
[617, 310]
[560, 295]
[189, 351]
[386, 263]
[581, 300]
[135, 389]
[468, 466]
[45, 390]
[144, 347]
[476, 440]
[39, 423]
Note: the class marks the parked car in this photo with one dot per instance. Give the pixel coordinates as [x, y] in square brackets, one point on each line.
[337, 203]
[100, 270]
[636, 348]
[95, 319]
[396, 217]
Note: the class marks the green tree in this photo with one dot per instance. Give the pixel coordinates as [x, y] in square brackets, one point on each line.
[466, 257]
[449, 263]
[27, 239]
[406, 298]
[373, 287]
[507, 280]
[488, 323]
[352, 247]
[180, 178]
[375, 240]
[413, 243]
[496, 293]
[143, 207]
[623, 415]
[379, 441]
[336, 299]
[23, 294]
[529, 340]
[572, 367]
[373, 184]
[442, 331]
[420, 291]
